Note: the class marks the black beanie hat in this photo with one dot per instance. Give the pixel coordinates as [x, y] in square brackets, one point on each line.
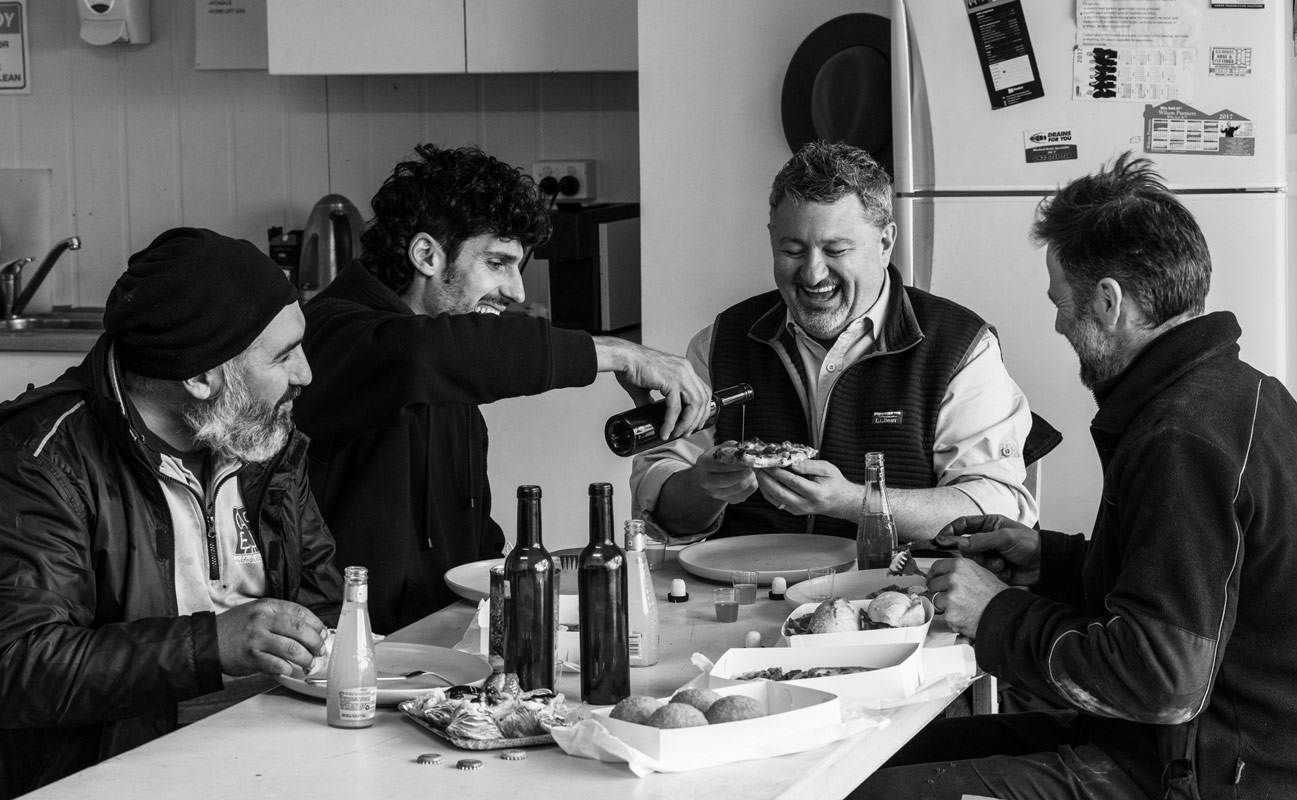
[192, 300]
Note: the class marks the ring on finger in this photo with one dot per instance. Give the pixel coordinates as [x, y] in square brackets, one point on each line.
[780, 507]
[938, 608]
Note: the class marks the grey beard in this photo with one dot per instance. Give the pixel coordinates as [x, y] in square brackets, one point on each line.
[236, 426]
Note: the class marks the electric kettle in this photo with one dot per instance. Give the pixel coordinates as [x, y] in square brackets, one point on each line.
[330, 239]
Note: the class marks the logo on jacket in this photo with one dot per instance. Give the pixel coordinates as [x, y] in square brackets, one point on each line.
[245, 552]
[889, 417]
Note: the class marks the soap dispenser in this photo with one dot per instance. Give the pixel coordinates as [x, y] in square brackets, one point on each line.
[114, 21]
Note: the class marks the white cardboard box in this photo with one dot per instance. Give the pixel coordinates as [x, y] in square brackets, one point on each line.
[915, 634]
[794, 714]
[896, 669]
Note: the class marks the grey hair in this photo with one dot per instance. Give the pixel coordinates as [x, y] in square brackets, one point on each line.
[825, 172]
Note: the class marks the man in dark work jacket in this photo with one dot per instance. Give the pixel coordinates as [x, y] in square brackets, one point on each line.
[845, 358]
[407, 341]
[1167, 635]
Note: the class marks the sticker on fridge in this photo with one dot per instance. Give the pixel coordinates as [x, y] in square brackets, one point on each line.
[1179, 128]
[13, 48]
[1049, 144]
[1230, 62]
[1005, 51]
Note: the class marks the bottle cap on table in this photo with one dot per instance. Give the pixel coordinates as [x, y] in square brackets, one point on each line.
[778, 587]
[468, 763]
[678, 592]
[429, 758]
[514, 754]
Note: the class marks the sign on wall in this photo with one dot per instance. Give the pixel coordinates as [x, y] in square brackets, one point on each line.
[13, 48]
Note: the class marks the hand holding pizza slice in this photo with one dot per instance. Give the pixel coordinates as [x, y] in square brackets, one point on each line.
[757, 454]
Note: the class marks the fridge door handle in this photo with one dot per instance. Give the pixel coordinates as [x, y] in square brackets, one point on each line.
[902, 125]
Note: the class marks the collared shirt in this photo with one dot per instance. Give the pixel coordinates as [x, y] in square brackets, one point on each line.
[981, 425]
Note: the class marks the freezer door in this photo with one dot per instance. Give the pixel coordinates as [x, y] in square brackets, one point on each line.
[961, 144]
[977, 252]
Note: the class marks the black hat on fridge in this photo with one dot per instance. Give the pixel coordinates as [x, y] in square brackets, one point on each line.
[192, 300]
[838, 86]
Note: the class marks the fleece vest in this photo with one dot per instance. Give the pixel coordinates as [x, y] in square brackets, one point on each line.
[886, 402]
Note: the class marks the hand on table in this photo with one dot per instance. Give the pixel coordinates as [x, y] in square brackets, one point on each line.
[811, 487]
[1003, 546]
[268, 636]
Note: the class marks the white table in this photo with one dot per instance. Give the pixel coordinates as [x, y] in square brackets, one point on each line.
[278, 745]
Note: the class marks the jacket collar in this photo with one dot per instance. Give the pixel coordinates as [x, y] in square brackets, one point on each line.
[901, 329]
[357, 284]
[1167, 358]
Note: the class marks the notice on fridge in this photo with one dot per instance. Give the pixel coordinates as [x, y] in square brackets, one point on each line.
[1175, 127]
[13, 48]
[1136, 51]
[1137, 23]
[1050, 144]
[1004, 48]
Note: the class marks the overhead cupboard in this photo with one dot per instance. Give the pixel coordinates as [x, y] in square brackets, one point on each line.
[402, 37]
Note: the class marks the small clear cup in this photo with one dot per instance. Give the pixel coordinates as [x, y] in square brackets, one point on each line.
[745, 583]
[727, 604]
[819, 583]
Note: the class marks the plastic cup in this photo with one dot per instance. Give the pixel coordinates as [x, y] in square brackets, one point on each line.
[655, 552]
[727, 604]
[819, 583]
[745, 583]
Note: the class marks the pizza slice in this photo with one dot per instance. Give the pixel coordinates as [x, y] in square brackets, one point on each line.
[760, 455]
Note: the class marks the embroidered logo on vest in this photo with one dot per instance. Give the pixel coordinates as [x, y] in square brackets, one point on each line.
[246, 551]
[888, 417]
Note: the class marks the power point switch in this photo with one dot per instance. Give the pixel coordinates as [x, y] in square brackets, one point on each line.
[569, 180]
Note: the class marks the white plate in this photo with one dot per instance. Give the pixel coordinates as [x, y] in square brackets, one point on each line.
[397, 658]
[472, 581]
[770, 555]
[857, 585]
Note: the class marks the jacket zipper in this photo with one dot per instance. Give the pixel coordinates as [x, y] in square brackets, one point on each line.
[209, 522]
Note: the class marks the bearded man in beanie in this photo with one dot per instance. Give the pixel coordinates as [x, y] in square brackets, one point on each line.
[160, 551]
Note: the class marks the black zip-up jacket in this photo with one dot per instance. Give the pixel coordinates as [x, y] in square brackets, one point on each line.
[398, 445]
[1172, 630]
[93, 655]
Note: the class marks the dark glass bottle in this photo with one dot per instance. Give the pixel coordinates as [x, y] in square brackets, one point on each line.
[636, 430]
[876, 536]
[530, 606]
[601, 584]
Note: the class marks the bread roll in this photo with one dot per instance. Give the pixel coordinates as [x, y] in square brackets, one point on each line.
[897, 610]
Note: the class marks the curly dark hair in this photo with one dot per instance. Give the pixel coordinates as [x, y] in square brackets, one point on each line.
[1124, 223]
[825, 172]
[452, 195]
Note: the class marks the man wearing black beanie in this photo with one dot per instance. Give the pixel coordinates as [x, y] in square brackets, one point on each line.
[160, 551]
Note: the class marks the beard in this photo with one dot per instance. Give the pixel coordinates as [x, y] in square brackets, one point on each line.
[237, 425]
[1098, 354]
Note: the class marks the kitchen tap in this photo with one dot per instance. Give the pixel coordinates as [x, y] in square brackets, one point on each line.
[20, 305]
[10, 278]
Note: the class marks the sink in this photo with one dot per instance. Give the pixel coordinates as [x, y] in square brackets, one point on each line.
[52, 322]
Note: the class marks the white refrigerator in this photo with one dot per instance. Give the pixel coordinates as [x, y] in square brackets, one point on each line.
[967, 191]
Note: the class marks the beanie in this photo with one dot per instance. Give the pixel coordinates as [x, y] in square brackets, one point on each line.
[192, 300]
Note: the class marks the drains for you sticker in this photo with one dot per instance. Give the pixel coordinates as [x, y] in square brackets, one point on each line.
[1049, 144]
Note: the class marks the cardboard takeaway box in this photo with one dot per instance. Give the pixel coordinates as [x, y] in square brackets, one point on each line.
[896, 670]
[912, 635]
[794, 716]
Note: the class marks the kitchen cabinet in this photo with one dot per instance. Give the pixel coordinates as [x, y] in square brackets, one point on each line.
[401, 37]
